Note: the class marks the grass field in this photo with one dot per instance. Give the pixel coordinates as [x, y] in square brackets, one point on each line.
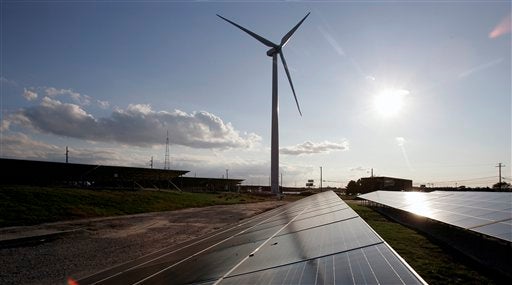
[436, 263]
[26, 205]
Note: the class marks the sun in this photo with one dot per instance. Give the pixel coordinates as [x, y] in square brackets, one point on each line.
[389, 102]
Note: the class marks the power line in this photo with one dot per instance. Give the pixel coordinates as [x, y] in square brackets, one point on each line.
[465, 180]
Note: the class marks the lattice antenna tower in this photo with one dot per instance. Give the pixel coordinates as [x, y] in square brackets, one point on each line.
[167, 162]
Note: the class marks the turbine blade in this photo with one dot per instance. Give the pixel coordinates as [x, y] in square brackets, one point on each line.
[290, 80]
[254, 35]
[287, 37]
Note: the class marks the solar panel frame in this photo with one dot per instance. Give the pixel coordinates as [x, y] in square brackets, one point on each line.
[318, 239]
[368, 265]
[487, 213]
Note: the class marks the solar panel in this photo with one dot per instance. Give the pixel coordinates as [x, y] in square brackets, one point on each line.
[316, 240]
[488, 213]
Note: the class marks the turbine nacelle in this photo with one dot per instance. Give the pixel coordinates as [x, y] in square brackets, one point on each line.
[273, 51]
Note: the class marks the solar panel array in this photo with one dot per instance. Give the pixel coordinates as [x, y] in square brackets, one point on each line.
[488, 213]
[316, 240]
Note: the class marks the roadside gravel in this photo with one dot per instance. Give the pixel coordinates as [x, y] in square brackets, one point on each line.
[89, 246]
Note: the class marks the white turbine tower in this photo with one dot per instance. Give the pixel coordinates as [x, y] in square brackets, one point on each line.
[274, 50]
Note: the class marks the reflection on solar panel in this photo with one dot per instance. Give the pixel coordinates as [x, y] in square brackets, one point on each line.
[316, 240]
[488, 213]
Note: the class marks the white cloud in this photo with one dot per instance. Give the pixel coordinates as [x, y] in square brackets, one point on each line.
[21, 146]
[138, 125]
[7, 81]
[29, 95]
[4, 126]
[211, 166]
[312, 148]
[82, 100]
[103, 104]
[144, 109]
[358, 168]
[254, 172]
[53, 92]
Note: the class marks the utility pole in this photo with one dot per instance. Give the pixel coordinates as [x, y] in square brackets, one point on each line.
[167, 162]
[372, 172]
[227, 177]
[320, 178]
[151, 162]
[67, 154]
[500, 165]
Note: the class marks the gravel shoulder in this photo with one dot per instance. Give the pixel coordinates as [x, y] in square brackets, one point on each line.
[76, 249]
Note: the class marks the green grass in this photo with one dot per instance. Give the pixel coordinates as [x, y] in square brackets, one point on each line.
[435, 263]
[27, 205]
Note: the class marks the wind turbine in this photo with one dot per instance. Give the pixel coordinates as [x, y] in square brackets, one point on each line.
[274, 50]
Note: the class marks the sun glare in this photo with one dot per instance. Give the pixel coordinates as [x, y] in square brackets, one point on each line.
[417, 204]
[389, 102]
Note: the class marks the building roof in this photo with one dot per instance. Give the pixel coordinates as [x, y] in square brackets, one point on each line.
[385, 177]
[17, 170]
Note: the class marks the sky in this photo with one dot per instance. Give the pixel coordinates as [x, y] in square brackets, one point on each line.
[418, 90]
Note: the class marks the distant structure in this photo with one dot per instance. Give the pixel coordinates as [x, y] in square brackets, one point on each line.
[44, 173]
[374, 183]
[500, 165]
[67, 154]
[167, 162]
[275, 51]
[321, 179]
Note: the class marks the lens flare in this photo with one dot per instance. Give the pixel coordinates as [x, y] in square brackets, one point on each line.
[502, 28]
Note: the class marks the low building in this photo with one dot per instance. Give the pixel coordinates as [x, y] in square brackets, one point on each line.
[45, 173]
[374, 183]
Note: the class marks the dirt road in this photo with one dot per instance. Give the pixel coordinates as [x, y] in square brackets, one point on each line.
[77, 249]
